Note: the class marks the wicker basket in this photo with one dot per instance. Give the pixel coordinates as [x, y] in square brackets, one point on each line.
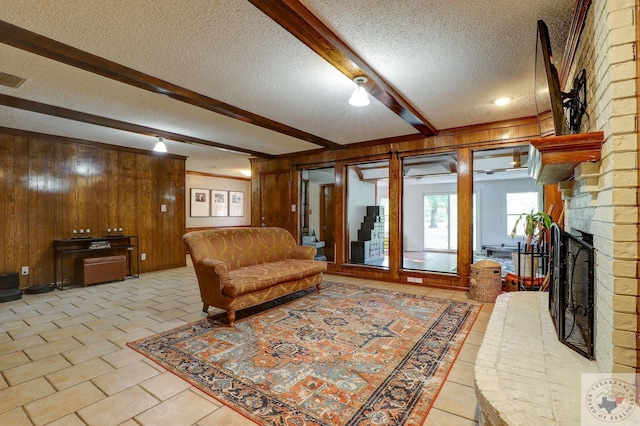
[486, 281]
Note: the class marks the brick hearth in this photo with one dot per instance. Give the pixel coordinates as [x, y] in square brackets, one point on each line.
[523, 374]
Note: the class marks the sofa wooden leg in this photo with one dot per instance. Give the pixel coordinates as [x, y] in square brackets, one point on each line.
[231, 316]
[319, 286]
[205, 308]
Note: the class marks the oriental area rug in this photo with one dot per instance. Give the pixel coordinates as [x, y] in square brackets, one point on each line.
[346, 356]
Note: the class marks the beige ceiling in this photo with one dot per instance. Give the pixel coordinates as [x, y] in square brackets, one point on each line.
[450, 59]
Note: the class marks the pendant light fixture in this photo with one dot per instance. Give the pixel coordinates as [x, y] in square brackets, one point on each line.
[160, 146]
[359, 98]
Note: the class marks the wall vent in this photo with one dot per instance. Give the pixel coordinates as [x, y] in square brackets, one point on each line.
[11, 80]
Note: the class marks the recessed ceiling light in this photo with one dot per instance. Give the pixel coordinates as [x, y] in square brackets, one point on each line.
[502, 101]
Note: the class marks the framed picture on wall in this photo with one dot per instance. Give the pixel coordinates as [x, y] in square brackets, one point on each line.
[219, 203]
[236, 203]
[199, 202]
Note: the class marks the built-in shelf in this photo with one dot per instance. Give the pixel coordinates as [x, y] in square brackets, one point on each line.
[552, 159]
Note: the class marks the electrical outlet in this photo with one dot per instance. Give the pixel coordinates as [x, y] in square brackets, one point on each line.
[414, 280]
[163, 208]
[25, 270]
[143, 256]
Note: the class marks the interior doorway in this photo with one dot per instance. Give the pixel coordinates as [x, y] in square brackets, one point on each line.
[328, 219]
[318, 211]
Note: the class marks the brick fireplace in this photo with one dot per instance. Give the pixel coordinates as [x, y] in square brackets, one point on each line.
[601, 200]
[604, 197]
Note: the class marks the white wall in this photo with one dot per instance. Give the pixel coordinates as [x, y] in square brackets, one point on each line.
[492, 199]
[491, 204]
[221, 184]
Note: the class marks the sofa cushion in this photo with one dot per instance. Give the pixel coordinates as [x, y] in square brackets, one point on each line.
[257, 277]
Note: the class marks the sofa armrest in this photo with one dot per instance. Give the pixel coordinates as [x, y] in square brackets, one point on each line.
[219, 267]
[303, 252]
[212, 275]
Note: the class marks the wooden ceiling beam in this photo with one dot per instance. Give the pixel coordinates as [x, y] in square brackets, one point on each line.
[306, 27]
[31, 42]
[83, 117]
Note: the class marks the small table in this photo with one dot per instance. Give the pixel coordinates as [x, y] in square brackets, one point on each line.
[94, 247]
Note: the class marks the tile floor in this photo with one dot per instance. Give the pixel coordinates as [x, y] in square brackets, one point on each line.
[64, 360]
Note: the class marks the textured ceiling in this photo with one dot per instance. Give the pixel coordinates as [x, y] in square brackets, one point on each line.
[449, 59]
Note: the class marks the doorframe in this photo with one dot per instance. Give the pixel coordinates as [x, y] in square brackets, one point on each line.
[321, 231]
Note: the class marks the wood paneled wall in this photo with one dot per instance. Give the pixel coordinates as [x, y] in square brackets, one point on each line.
[52, 185]
[463, 141]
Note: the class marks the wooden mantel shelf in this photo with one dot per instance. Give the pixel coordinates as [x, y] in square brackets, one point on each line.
[552, 159]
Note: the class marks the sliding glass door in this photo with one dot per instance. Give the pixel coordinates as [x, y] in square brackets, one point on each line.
[430, 213]
[440, 222]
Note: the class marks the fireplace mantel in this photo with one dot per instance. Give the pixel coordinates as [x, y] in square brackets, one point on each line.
[552, 159]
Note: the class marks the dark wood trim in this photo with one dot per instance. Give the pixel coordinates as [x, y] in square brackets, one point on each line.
[321, 232]
[347, 160]
[494, 125]
[213, 175]
[31, 42]
[97, 120]
[577, 24]
[83, 142]
[465, 215]
[385, 141]
[491, 144]
[306, 27]
[393, 139]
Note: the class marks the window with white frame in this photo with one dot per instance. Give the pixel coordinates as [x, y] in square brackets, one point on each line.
[518, 203]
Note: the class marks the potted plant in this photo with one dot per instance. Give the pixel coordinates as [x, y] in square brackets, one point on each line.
[535, 225]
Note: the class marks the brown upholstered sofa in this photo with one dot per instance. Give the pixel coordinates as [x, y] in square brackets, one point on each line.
[242, 267]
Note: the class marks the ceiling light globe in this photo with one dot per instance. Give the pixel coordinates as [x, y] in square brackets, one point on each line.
[360, 97]
[160, 146]
[502, 101]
